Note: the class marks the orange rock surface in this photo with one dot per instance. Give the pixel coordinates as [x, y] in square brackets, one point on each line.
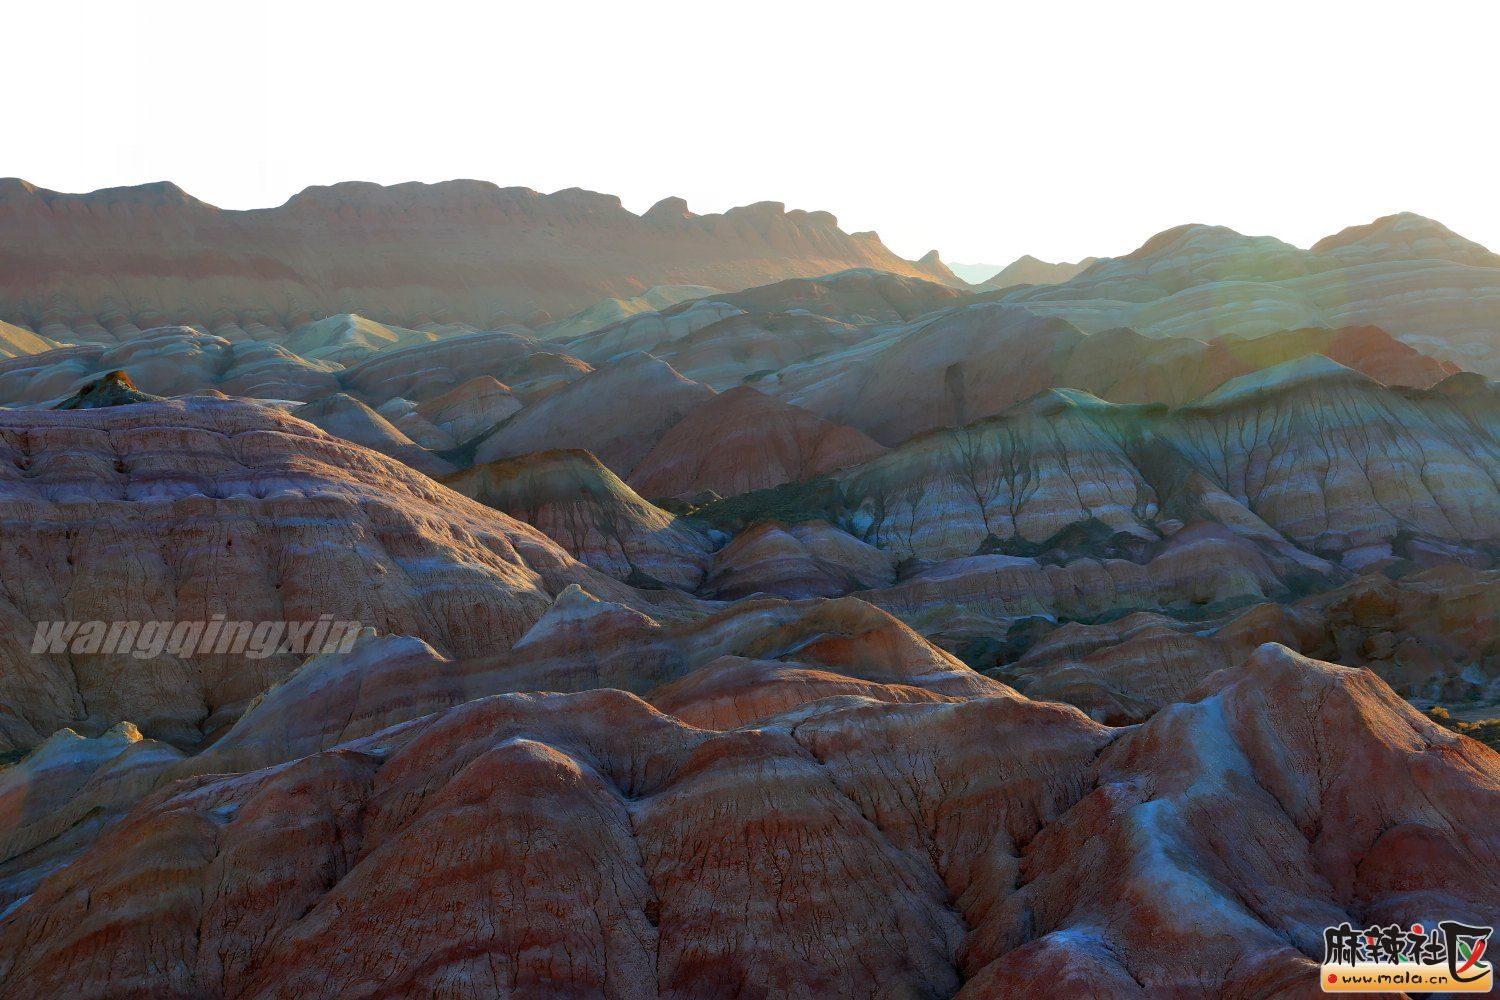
[586, 844]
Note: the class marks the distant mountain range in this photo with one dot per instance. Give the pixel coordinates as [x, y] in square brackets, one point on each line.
[103, 266]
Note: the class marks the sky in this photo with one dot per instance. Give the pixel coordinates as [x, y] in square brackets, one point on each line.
[985, 131]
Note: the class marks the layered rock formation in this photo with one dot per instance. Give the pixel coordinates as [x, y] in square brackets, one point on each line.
[864, 295]
[1433, 636]
[425, 371]
[650, 331]
[743, 440]
[611, 311]
[16, 342]
[749, 347]
[1310, 450]
[1407, 275]
[170, 361]
[344, 416]
[347, 338]
[960, 656]
[101, 266]
[583, 643]
[584, 844]
[112, 389]
[978, 359]
[470, 409]
[1405, 236]
[733, 691]
[1126, 670]
[184, 510]
[56, 800]
[809, 559]
[943, 370]
[586, 509]
[616, 412]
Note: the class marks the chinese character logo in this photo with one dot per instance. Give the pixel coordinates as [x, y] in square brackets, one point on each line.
[1451, 957]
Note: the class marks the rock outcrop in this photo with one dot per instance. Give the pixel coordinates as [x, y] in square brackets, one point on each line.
[978, 359]
[743, 440]
[425, 371]
[585, 508]
[1028, 270]
[344, 416]
[649, 332]
[55, 800]
[348, 338]
[749, 347]
[974, 644]
[996, 845]
[111, 389]
[617, 412]
[171, 361]
[611, 311]
[16, 342]
[470, 409]
[180, 511]
[1409, 276]
[864, 295]
[1309, 451]
[811, 559]
[100, 266]
[1433, 636]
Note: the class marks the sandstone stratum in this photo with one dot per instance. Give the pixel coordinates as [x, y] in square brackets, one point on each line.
[734, 608]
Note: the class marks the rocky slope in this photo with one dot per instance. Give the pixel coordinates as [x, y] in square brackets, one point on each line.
[972, 648]
[864, 295]
[16, 342]
[809, 559]
[344, 416]
[187, 509]
[586, 509]
[743, 440]
[99, 267]
[425, 371]
[1028, 270]
[611, 311]
[617, 412]
[1407, 275]
[1323, 455]
[583, 844]
[469, 409]
[347, 338]
[980, 358]
[1272, 487]
[170, 361]
[583, 643]
[1434, 636]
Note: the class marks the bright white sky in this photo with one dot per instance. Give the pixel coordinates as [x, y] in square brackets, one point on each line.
[986, 130]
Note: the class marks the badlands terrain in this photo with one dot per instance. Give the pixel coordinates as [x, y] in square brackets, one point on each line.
[742, 610]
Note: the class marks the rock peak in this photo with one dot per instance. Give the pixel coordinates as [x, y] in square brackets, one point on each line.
[111, 389]
[669, 209]
[1406, 235]
[1297, 373]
